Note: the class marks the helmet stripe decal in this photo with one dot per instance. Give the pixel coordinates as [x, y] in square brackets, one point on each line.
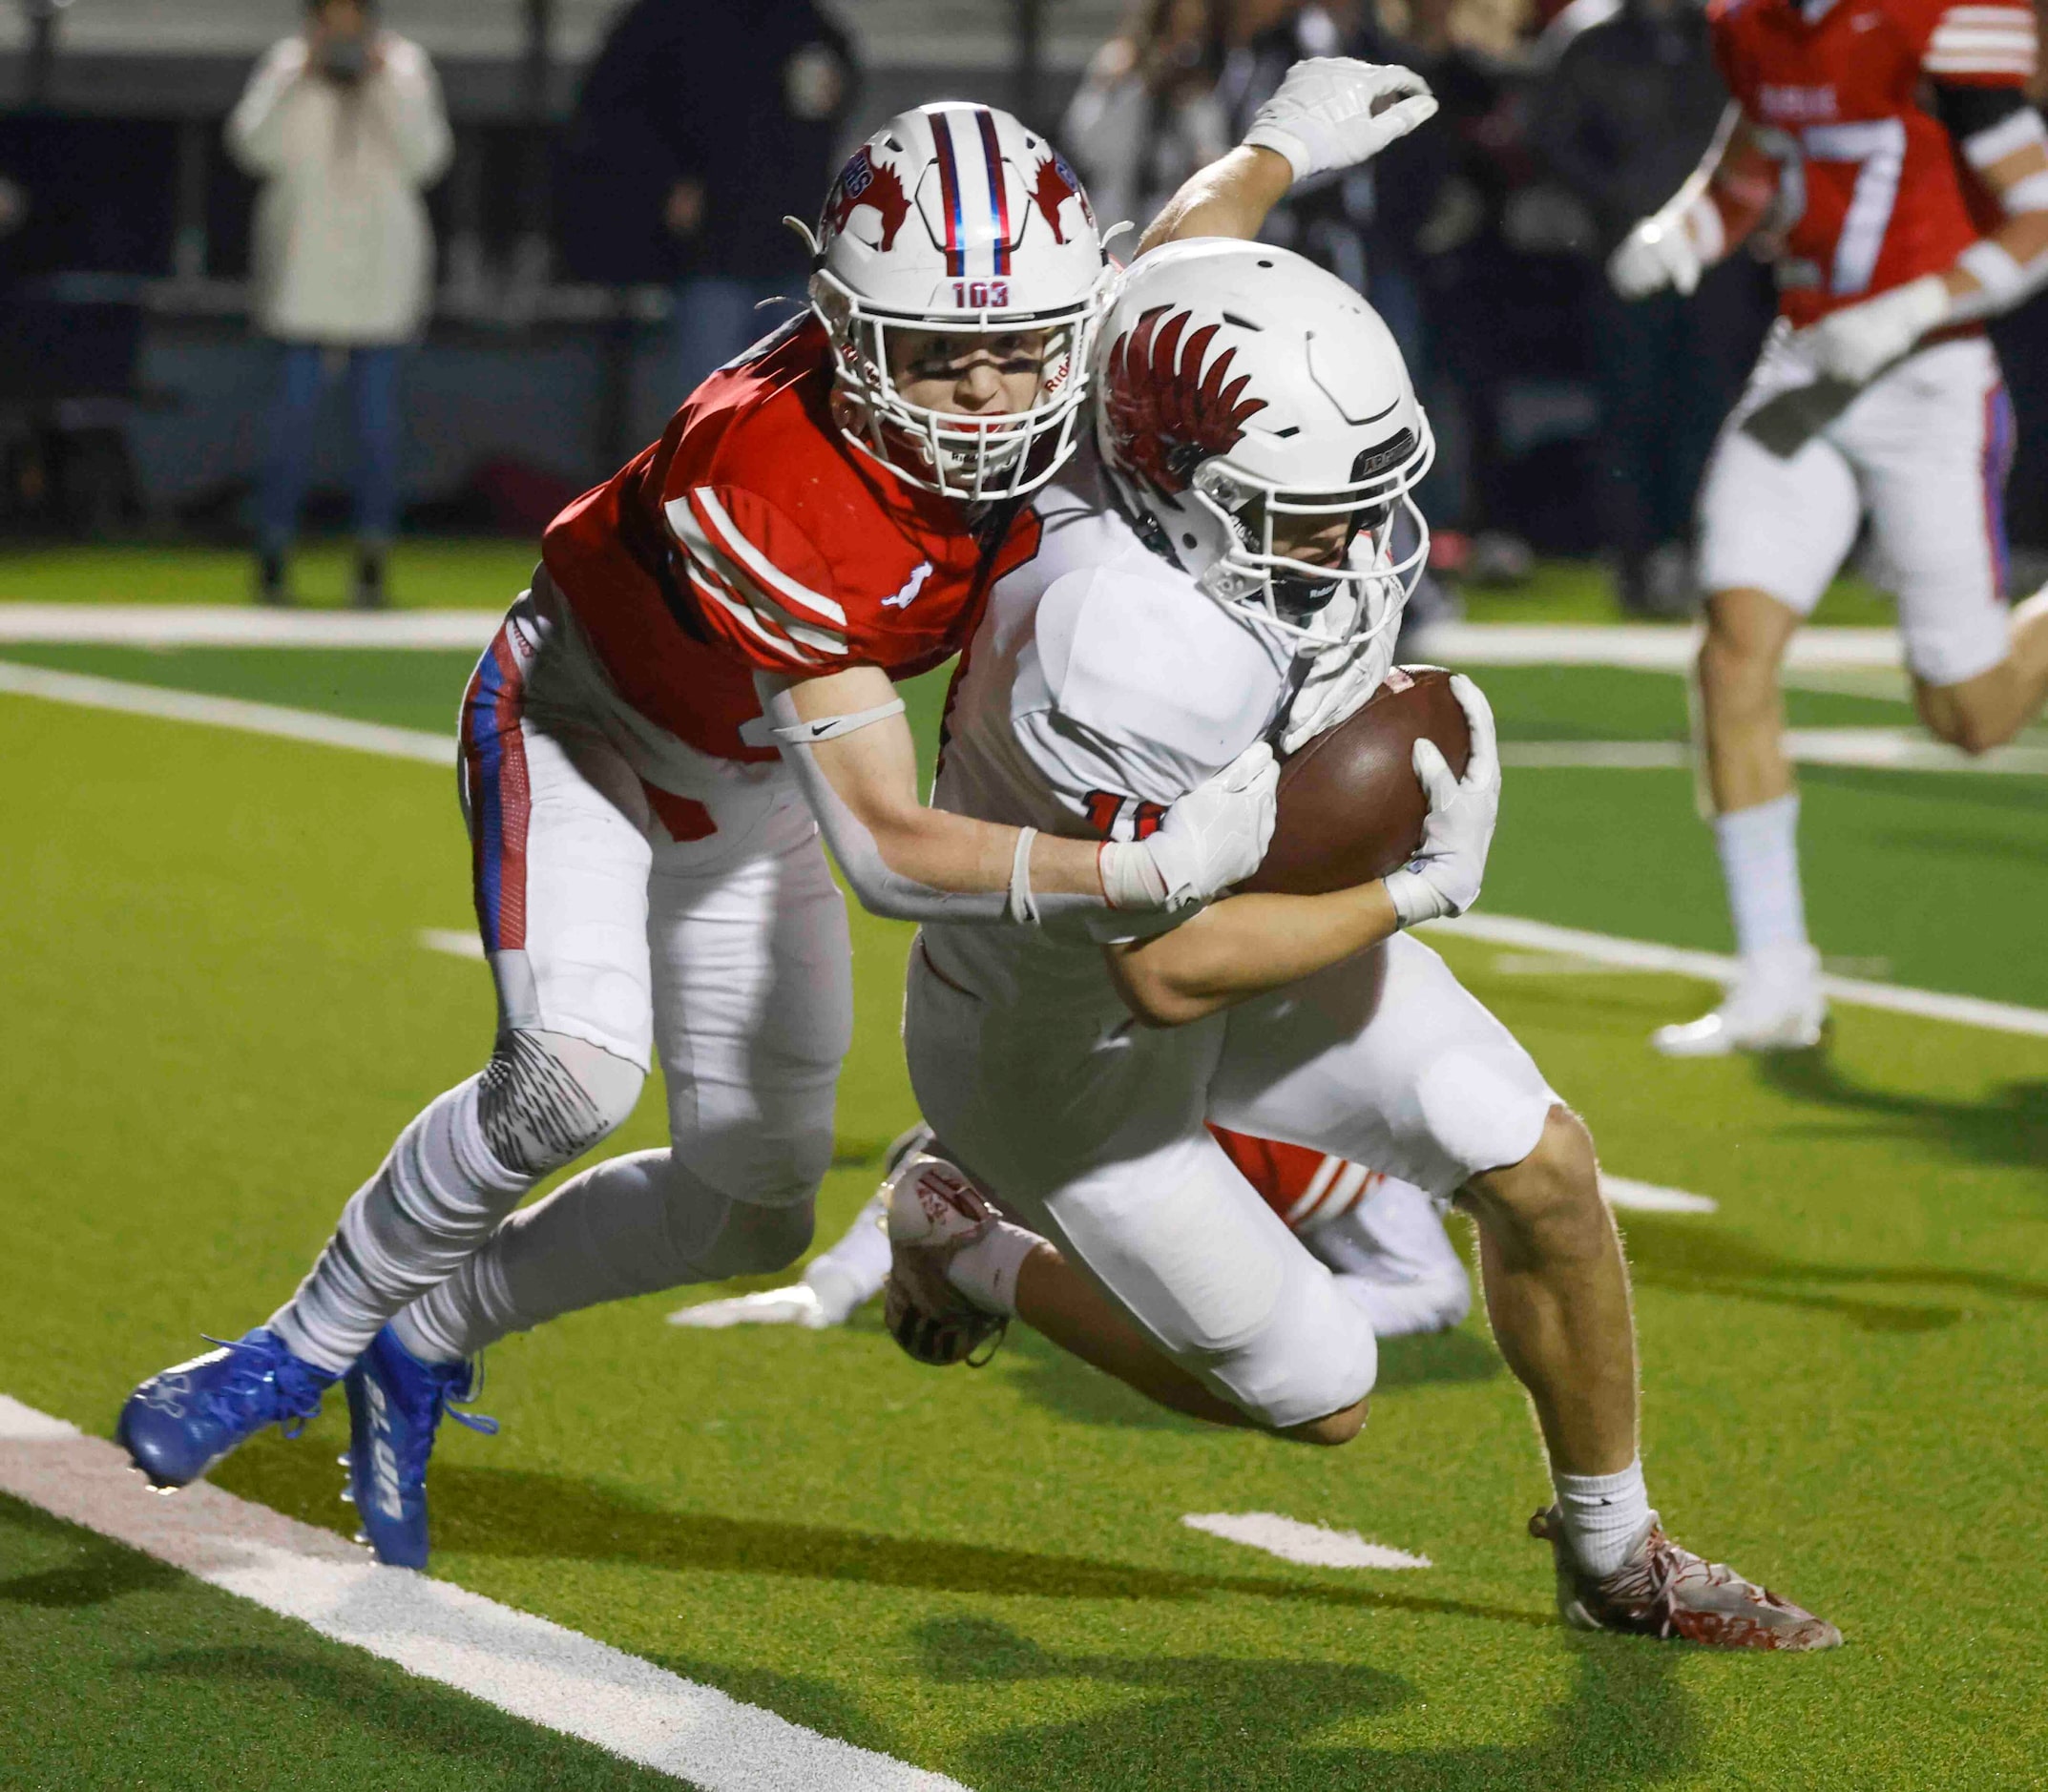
[950, 196]
[998, 199]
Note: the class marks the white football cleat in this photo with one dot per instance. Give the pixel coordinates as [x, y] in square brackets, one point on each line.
[796, 1306]
[1779, 1009]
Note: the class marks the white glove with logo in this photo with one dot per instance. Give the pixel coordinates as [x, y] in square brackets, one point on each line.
[1856, 341]
[1340, 683]
[1336, 112]
[1214, 837]
[1658, 253]
[1444, 876]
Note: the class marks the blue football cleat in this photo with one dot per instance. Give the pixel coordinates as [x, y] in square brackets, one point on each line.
[183, 1420]
[395, 1403]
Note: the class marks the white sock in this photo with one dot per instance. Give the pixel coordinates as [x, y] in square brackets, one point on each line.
[851, 1274]
[1602, 1514]
[987, 1270]
[1758, 851]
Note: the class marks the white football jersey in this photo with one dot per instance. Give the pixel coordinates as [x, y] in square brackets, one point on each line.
[1100, 687]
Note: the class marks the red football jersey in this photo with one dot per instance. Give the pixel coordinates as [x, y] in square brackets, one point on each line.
[1871, 192]
[753, 537]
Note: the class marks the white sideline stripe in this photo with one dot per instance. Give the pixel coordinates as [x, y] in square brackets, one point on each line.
[521, 1663]
[1651, 1197]
[1639, 646]
[453, 941]
[1604, 949]
[218, 625]
[1880, 749]
[1312, 1546]
[227, 712]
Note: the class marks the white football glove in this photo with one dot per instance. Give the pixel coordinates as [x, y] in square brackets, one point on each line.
[1214, 837]
[1856, 341]
[1339, 684]
[1323, 117]
[1658, 253]
[1444, 876]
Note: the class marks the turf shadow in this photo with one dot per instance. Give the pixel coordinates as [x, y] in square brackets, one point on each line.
[414, 1715]
[1217, 1722]
[2010, 1130]
[521, 1512]
[1682, 1255]
[100, 1570]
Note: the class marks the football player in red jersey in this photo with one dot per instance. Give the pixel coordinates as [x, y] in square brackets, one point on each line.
[1382, 1238]
[822, 517]
[1886, 152]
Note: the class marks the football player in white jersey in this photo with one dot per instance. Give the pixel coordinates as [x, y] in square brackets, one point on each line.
[1219, 575]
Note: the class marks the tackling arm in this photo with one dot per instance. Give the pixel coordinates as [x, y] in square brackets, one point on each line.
[853, 755]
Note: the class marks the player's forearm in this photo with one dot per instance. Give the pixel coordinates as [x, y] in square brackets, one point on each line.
[1244, 946]
[2010, 263]
[958, 853]
[1230, 197]
[1725, 197]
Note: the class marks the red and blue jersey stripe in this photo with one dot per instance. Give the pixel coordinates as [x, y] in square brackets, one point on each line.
[500, 794]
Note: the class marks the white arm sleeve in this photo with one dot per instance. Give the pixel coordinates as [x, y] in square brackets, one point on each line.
[881, 890]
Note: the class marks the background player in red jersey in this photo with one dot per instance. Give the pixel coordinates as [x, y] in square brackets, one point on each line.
[1886, 153]
[822, 517]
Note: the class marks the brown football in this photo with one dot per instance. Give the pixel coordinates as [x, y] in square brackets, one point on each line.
[1351, 807]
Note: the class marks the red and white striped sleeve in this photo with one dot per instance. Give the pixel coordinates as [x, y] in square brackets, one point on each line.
[1982, 43]
[759, 580]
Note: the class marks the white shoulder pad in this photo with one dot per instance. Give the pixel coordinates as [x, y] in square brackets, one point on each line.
[1158, 674]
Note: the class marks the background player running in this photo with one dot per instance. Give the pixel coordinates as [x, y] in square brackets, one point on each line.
[1883, 152]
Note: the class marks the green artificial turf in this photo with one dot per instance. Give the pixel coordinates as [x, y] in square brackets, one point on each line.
[121, 1671]
[424, 573]
[221, 1018]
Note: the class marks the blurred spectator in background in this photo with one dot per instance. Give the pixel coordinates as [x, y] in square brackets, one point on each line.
[702, 124]
[344, 125]
[1624, 117]
[1366, 225]
[1147, 115]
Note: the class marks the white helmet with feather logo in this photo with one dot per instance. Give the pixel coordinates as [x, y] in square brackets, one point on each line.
[1242, 388]
[956, 219]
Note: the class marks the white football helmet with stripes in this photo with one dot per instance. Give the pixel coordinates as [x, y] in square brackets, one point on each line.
[1242, 389]
[956, 219]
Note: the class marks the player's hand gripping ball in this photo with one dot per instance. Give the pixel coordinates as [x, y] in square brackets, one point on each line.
[1351, 808]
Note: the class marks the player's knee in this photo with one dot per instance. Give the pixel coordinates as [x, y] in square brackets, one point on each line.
[1976, 727]
[1551, 1197]
[763, 1241]
[546, 1098]
[1332, 1428]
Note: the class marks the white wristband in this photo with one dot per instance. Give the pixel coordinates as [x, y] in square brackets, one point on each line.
[2002, 278]
[1023, 910]
[1414, 898]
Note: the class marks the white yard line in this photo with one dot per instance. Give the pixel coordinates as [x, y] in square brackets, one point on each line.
[1637, 646]
[414, 743]
[522, 1664]
[1653, 1198]
[1312, 1546]
[1645, 647]
[209, 625]
[227, 712]
[1605, 949]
